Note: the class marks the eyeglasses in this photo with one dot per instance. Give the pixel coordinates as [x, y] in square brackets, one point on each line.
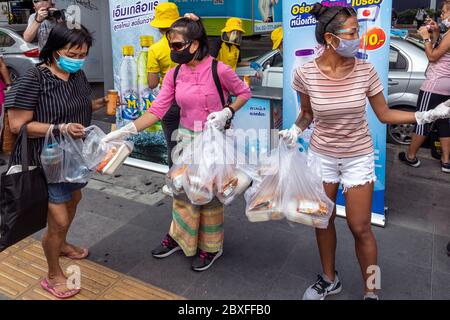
[348, 31]
[177, 46]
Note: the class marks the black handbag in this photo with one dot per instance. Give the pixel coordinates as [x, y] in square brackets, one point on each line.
[23, 199]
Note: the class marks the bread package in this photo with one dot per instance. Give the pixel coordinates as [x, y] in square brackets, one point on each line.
[234, 183]
[114, 159]
[198, 185]
[174, 178]
[264, 208]
[308, 212]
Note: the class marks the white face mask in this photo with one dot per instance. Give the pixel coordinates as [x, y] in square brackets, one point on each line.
[347, 48]
[445, 22]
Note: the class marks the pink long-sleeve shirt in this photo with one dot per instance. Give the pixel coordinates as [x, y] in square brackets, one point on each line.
[196, 92]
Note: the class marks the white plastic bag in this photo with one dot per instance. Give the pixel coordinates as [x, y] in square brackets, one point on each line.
[207, 168]
[76, 169]
[264, 197]
[230, 181]
[105, 157]
[52, 157]
[303, 197]
[198, 179]
[94, 149]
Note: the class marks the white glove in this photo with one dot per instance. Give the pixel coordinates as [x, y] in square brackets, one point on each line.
[442, 111]
[219, 119]
[291, 136]
[122, 133]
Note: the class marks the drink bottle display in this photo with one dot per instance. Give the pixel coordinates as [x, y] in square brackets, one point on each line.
[302, 56]
[146, 95]
[128, 85]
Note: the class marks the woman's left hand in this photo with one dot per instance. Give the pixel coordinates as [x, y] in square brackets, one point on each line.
[424, 33]
[99, 103]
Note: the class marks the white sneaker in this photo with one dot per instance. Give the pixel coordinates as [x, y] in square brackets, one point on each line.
[323, 288]
[167, 191]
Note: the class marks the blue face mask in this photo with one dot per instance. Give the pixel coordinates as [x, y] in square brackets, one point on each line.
[70, 65]
[347, 48]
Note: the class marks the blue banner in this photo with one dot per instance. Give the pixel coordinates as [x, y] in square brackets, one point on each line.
[375, 21]
[258, 16]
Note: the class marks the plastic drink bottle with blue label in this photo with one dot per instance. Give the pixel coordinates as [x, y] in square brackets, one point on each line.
[146, 95]
[302, 57]
[128, 85]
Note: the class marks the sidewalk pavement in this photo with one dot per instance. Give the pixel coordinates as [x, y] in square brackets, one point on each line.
[121, 219]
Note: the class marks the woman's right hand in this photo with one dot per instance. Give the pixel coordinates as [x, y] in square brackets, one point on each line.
[75, 130]
[121, 134]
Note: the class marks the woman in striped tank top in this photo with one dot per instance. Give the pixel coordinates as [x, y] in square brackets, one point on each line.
[334, 89]
[434, 90]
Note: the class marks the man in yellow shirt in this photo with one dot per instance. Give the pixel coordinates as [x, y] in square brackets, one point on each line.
[228, 48]
[158, 64]
[277, 39]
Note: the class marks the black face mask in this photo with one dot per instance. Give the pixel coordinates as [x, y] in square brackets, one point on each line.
[183, 56]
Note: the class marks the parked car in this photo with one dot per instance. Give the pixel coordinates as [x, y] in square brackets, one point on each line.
[407, 66]
[19, 55]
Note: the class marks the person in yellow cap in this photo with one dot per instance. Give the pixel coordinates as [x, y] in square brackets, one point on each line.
[228, 48]
[158, 64]
[277, 39]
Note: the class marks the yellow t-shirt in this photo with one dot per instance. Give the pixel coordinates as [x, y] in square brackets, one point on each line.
[159, 58]
[229, 55]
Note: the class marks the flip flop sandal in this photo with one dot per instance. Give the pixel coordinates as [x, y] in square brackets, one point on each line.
[79, 256]
[60, 295]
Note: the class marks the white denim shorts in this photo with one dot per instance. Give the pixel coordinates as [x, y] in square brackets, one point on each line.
[350, 172]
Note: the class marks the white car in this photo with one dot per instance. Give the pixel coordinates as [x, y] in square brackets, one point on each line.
[19, 55]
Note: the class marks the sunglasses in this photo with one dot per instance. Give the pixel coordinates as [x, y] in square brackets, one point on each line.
[177, 46]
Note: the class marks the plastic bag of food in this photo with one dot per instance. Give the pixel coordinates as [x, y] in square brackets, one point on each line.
[200, 156]
[264, 196]
[76, 169]
[184, 157]
[193, 170]
[52, 157]
[230, 180]
[175, 177]
[303, 197]
[115, 157]
[94, 149]
[264, 200]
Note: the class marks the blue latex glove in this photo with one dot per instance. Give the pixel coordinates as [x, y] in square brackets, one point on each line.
[255, 66]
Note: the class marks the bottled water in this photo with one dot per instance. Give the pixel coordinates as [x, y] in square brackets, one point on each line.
[128, 85]
[145, 93]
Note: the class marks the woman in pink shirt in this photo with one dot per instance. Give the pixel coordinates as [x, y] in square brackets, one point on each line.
[434, 90]
[194, 229]
[333, 90]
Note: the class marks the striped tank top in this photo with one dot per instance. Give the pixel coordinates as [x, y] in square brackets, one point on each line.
[339, 107]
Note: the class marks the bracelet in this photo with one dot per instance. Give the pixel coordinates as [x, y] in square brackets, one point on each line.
[66, 128]
[35, 19]
[427, 40]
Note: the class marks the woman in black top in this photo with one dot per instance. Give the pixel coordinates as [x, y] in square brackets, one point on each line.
[56, 92]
